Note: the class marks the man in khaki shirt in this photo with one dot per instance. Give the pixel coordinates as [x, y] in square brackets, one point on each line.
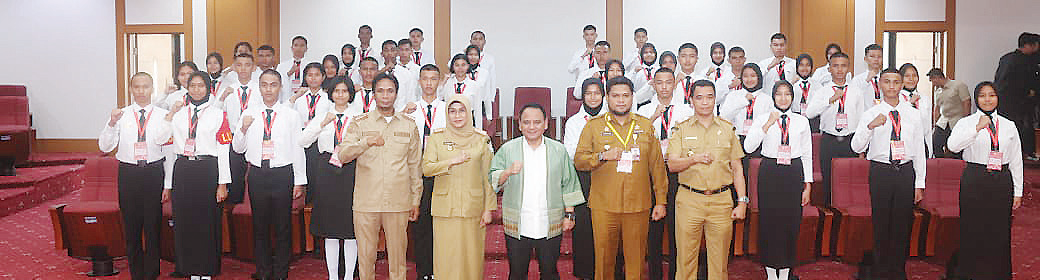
[628, 174]
[388, 182]
[705, 151]
[952, 102]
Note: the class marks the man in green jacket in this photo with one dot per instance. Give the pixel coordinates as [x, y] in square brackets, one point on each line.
[540, 190]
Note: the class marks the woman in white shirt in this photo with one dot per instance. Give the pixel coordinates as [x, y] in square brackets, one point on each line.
[923, 105]
[744, 104]
[458, 82]
[214, 65]
[581, 241]
[804, 87]
[991, 187]
[785, 179]
[482, 76]
[179, 89]
[332, 185]
[201, 174]
[643, 72]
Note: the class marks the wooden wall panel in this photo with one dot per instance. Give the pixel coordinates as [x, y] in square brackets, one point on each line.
[812, 24]
[233, 21]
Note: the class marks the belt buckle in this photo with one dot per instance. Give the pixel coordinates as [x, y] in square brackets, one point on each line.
[193, 158]
[709, 192]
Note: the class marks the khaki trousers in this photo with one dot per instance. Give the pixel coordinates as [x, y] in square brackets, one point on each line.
[697, 214]
[607, 228]
[395, 227]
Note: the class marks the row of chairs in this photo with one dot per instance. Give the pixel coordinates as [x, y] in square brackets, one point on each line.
[16, 133]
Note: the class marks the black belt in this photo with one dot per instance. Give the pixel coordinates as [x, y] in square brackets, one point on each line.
[142, 163]
[895, 166]
[1003, 167]
[839, 138]
[199, 157]
[708, 192]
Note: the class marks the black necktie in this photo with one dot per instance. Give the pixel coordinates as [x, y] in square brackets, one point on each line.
[784, 136]
[298, 70]
[896, 127]
[686, 89]
[429, 119]
[193, 123]
[877, 93]
[140, 127]
[841, 106]
[665, 120]
[458, 88]
[244, 99]
[367, 99]
[339, 130]
[267, 124]
[783, 75]
[310, 105]
[418, 56]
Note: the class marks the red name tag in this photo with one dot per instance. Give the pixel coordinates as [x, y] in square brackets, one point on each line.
[267, 150]
[898, 150]
[995, 160]
[140, 151]
[747, 125]
[783, 155]
[842, 121]
[189, 148]
[334, 159]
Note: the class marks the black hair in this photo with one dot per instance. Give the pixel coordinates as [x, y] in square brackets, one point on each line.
[890, 70]
[592, 82]
[735, 49]
[688, 46]
[778, 35]
[189, 64]
[330, 86]
[451, 67]
[1027, 38]
[246, 55]
[220, 59]
[365, 27]
[660, 59]
[717, 45]
[758, 72]
[471, 47]
[243, 43]
[620, 80]
[404, 42]
[800, 57]
[664, 70]
[299, 37]
[265, 48]
[978, 90]
[606, 66]
[831, 46]
[312, 65]
[430, 67]
[776, 86]
[388, 42]
[272, 72]
[369, 58]
[936, 72]
[906, 67]
[643, 49]
[385, 76]
[704, 83]
[603, 43]
[640, 30]
[478, 31]
[348, 46]
[871, 47]
[838, 54]
[330, 57]
[532, 106]
[589, 27]
[416, 29]
[205, 80]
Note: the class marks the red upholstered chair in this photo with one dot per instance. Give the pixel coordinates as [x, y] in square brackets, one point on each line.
[850, 197]
[493, 127]
[12, 90]
[941, 204]
[816, 197]
[241, 221]
[527, 95]
[15, 131]
[92, 229]
[807, 231]
[573, 103]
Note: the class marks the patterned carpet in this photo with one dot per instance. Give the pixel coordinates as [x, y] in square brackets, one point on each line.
[28, 253]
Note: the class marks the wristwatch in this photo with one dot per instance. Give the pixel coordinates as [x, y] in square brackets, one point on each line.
[744, 199]
[568, 215]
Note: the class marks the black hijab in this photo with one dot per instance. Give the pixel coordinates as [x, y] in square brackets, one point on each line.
[584, 86]
[777, 85]
[758, 72]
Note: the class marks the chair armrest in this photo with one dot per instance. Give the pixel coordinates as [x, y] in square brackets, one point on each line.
[60, 243]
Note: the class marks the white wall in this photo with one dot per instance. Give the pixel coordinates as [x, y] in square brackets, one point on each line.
[328, 24]
[154, 11]
[65, 53]
[532, 41]
[683, 21]
[915, 10]
[866, 19]
[982, 37]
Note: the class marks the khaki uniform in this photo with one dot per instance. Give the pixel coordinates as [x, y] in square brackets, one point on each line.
[621, 202]
[387, 185]
[461, 194]
[696, 213]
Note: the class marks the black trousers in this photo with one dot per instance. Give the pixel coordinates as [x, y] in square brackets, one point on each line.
[583, 248]
[985, 204]
[313, 158]
[270, 197]
[814, 125]
[237, 188]
[422, 233]
[655, 252]
[140, 192]
[832, 147]
[547, 251]
[1024, 119]
[892, 213]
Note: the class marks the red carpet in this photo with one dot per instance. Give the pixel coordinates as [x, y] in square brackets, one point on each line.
[28, 253]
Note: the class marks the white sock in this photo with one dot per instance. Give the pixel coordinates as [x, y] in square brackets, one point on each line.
[205, 278]
[332, 257]
[196, 277]
[350, 256]
[784, 273]
[771, 273]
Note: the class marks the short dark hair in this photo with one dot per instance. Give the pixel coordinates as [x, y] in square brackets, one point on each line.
[532, 106]
[871, 47]
[265, 48]
[369, 59]
[890, 70]
[205, 80]
[272, 72]
[1027, 38]
[832, 46]
[299, 37]
[220, 59]
[620, 80]
[331, 86]
[640, 30]
[778, 35]
[906, 67]
[589, 27]
[243, 43]
[838, 55]
[735, 50]
[688, 46]
[603, 43]
[416, 29]
[385, 76]
[388, 42]
[664, 70]
[478, 31]
[404, 42]
[607, 65]
[936, 72]
[188, 64]
[246, 55]
[364, 27]
[801, 57]
[430, 67]
[704, 83]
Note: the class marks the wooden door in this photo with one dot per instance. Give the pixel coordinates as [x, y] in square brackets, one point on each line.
[233, 21]
[812, 24]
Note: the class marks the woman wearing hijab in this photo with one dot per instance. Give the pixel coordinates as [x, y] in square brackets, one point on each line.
[643, 73]
[924, 105]
[804, 87]
[991, 187]
[581, 240]
[458, 157]
[785, 179]
[332, 185]
[201, 173]
[742, 111]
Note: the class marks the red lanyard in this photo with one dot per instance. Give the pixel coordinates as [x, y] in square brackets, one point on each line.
[841, 102]
[784, 137]
[459, 88]
[718, 73]
[213, 92]
[418, 58]
[340, 123]
[267, 124]
[805, 91]
[243, 99]
[473, 75]
[994, 139]
[367, 99]
[310, 105]
[897, 126]
[141, 126]
[648, 73]
[429, 120]
[877, 92]
[751, 108]
[780, 69]
[591, 62]
[193, 122]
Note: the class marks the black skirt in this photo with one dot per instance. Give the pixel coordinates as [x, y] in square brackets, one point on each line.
[196, 216]
[780, 210]
[333, 192]
[985, 205]
[581, 239]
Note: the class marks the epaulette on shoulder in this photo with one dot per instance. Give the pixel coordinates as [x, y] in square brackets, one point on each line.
[406, 116]
[361, 117]
[437, 130]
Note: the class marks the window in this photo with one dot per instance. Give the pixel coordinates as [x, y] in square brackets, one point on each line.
[155, 54]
